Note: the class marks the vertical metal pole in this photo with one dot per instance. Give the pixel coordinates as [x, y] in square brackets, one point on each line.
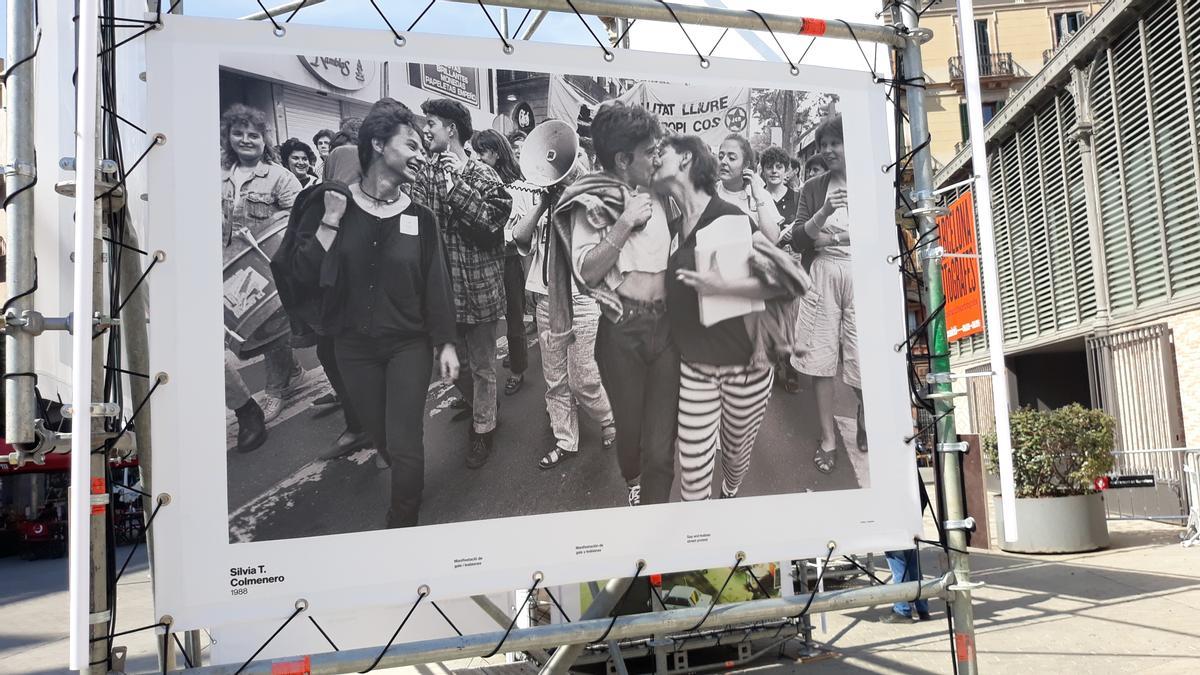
[99, 461]
[87, 597]
[19, 170]
[987, 258]
[602, 603]
[951, 483]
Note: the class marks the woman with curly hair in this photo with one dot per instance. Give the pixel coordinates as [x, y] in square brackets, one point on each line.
[300, 160]
[254, 190]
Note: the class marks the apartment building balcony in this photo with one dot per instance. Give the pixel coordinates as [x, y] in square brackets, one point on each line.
[996, 71]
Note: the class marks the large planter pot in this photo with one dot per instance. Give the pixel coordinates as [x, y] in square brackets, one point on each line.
[1056, 524]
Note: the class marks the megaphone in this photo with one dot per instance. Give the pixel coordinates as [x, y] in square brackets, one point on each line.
[549, 152]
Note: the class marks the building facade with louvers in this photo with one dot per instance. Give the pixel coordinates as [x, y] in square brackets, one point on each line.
[1095, 174]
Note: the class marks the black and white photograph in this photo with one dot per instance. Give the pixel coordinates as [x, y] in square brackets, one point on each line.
[461, 293]
[488, 315]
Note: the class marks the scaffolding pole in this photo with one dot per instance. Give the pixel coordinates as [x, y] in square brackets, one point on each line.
[668, 622]
[950, 480]
[653, 10]
[19, 172]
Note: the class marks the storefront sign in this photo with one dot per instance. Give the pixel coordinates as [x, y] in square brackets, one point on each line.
[960, 273]
[341, 73]
[457, 82]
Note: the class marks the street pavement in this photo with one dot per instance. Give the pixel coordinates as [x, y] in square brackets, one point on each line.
[284, 490]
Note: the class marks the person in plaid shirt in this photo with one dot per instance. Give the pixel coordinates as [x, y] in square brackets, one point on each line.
[472, 208]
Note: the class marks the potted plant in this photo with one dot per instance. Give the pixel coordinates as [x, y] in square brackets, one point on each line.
[1057, 455]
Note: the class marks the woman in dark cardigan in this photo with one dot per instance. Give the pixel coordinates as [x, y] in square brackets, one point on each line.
[386, 298]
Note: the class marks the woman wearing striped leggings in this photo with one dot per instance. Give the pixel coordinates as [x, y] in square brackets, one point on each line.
[721, 395]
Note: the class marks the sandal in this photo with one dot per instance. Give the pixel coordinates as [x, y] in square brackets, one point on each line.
[825, 460]
[554, 457]
[513, 384]
[608, 436]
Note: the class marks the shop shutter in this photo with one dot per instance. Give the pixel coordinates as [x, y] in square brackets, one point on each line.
[1175, 146]
[307, 112]
[1009, 173]
[1079, 230]
[1110, 179]
[1133, 141]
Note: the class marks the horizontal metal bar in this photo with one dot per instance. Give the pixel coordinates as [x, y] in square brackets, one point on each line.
[582, 632]
[652, 10]
[1156, 451]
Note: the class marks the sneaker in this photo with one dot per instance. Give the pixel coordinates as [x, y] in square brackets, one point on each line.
[895, 617]
[635, 495]
[924, 616]
[298, 382]
[272, 406]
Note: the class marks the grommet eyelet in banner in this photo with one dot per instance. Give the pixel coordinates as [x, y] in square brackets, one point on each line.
[509, 49]
[400, 41]
[279, 31]
[795, 71]
[704, 62]
[608, 56]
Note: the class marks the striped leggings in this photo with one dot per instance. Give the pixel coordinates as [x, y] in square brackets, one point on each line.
[731, 400]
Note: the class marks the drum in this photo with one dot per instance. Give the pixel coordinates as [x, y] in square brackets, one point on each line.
[254, 315]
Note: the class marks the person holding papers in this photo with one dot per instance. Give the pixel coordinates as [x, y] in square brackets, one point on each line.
[723, 388]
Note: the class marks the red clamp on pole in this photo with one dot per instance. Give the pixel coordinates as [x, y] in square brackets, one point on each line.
[812, 26]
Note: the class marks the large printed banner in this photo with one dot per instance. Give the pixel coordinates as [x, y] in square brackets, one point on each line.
[711, 113]
[387, 372]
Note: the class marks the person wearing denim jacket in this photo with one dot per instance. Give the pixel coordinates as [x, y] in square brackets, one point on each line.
[254, 190]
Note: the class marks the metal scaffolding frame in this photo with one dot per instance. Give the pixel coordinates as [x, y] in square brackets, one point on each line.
[904, 35]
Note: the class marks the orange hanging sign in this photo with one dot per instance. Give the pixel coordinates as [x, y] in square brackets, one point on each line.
[960, 273]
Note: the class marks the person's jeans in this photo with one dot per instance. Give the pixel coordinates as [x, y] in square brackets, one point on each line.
[327, 356]
[386, 381]
[282, 366]
[569, 365]
[237, 394]
[514, 314]
[476, 346]
[639, 367]
[906, 566]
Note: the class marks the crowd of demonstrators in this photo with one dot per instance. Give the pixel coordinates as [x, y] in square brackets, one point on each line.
[402, 258]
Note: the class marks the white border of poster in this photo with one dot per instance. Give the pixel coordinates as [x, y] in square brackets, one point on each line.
[192, 553]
